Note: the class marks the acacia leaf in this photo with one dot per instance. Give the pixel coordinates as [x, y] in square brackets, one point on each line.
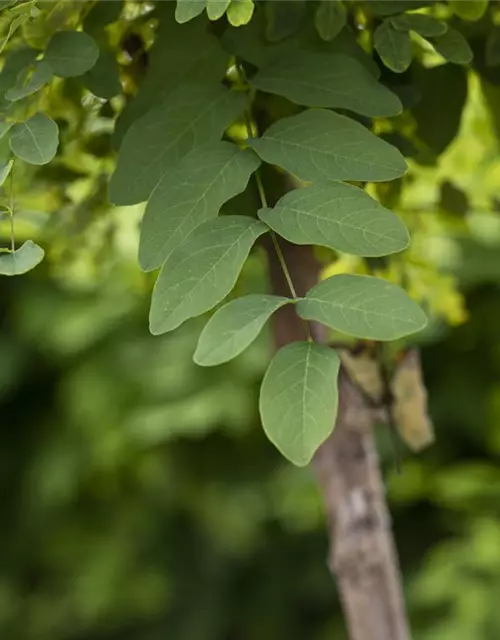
[299, 399]
[27, 257]
[186, 10]
[193, 192]
[330, 18]
[339, 216]
[71, 53]
[36, 140]
[424, 25]
[326, 80]
[320, 144]
[234, 327]
[453, 46]
[29, 81]
[393, 46]
[363, 306]
[202, 270]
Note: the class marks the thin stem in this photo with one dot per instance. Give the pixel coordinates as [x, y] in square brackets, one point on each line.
[11, 205]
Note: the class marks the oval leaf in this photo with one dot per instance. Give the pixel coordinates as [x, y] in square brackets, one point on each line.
[325, 80]
[363, 307]
[338, 216]
[424, 25]
[453, 46]
[192, 193]
[240, 12]
[29, 81]
[299, 399]
[234, 327]
[27, 257]
[5, 170]
[186, 10]
[217, 8]
[71, 53]
[322, 144]
[104, 77]
[471, 10]
[330, 18]
[36, 140]
[393, 46]
[202, 271]
[191, 116]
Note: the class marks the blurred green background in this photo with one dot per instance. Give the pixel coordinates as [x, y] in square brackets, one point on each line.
[140, 499]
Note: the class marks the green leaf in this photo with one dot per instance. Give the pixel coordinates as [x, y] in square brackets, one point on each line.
[174, 61]
[391, 7]
[393, 46]
[27, 257]
[103, 79]
[493, 47]
[240, 12]
[36, 140]
[191, 116]
[192, 193]
[330, 18]
[217, 8]
[202, 270]
[15, 62]
[453, 46]
[471, 10]
[13, 27]
[5, 127]
[186, 10]
[424, 25]
[338, 216]
[29, 81]
[320, 144]
[284, 19]
[325, 80]
[234, 327]
[71, 53]
[299, 399]
[364, 307]
[102, 14]
[5, 170]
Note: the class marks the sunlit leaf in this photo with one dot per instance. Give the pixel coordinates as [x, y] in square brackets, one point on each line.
[299, 399]
[338, 216]
[393, 46]
[27, 257]
[240, 12]
[5, 170]
[471, 10]
[36, 140]
[186, 10]
[320, 144]
[217, 8]
[71, 53]
[324, 80]
[330, 18]
[363, 307]
[202, 270]
[191, 116]
[193, 192]
[234, 327]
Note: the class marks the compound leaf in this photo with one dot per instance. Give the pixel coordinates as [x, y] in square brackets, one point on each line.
[191, 116]
[71, 53]
[36, 140]
[299, 399]
[393, 46]
[338, 216]
[192, 193]
[202, 270]
[320, 144]
[234, 327]
[364, 307]
[27, 257]
[325, 80]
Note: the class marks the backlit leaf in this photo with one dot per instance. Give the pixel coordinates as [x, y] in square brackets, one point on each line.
[202, 270]
[36, 140]
[320, 144]
[217, 8]
[5, 170]
[193, 192]
[186, 10]
[471, 10]
[240, 12]
[71, 53]
[234, 327]
[299, 399]
[393, 46]
[191, 116]
[29, 81]
[338, 216]
[27, 257]
[325, 80]
[424, 25]
[330, 18]
[363, 307]
[453, 46]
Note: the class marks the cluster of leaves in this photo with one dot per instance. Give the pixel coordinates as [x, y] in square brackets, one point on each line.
[192, 139]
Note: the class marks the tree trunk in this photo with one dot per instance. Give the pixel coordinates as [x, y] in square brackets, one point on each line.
[363, 557]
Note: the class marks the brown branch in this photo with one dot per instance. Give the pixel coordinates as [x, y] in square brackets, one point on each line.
[362, 557]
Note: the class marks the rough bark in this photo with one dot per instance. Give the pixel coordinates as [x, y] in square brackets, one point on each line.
[362, 557]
